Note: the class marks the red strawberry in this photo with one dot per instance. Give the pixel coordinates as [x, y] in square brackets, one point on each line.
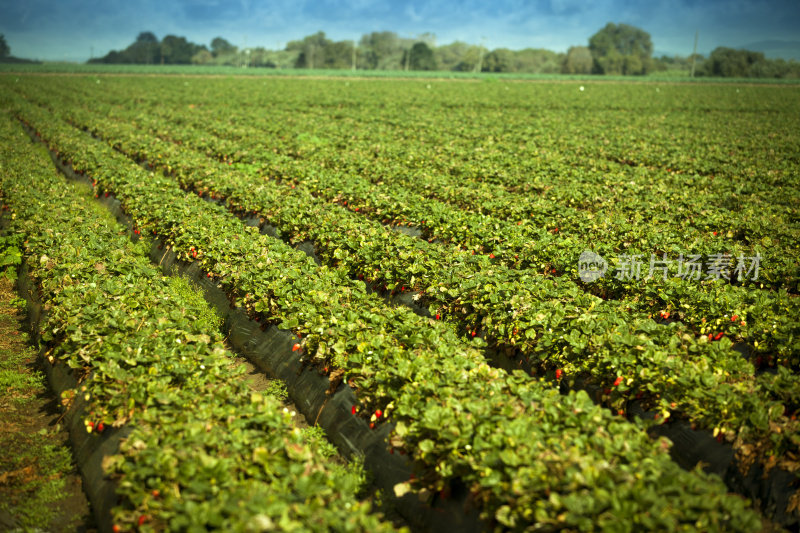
[491, 256]
[155, 493]
[552, 270]
[558, 373]
[116, 528]
[353, 409]
[618, 381]
[100, 427]
[710, 336]
[734, 318]
[719, 335]
[296, 347]
[474, 333]
[90, 425]
[378, 413]
[142, 519]
[372, 425]
[437, 316]
[715, 234]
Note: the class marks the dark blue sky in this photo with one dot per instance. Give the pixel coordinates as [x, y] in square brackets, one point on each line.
[70, 29]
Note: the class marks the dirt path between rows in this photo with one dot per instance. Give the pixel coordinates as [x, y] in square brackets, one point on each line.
[40, 488]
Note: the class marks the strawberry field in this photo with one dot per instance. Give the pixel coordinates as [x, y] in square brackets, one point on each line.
[511, 306]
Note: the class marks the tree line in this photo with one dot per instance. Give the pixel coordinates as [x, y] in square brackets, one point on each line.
[616, 49]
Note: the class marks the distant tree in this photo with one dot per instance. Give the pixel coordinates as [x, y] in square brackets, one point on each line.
[177, 50]
[5, 50]
[621, 49]
[145, 50]
[147, 37]
[578, 61]
[499, 60]
[221, 47]
[381, 50]
[420, 57]
[450, 56]
[730, 63]
[203, 57]
[311, 50]
[538, 61]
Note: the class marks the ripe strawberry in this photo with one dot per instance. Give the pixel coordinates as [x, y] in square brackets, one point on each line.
[116, 528]
[353, 409]
[719, 335]
[155, 493]
[474, 333]
[559, 372]
[710, 336]
[621, 412]
[715, 234]
[552, 270]
[491, 256]
[296, 347]
[734, 318]
[372, 425]
[437, 316]
[378, 413]
[618, 381]
[100, 427]
[142, 519]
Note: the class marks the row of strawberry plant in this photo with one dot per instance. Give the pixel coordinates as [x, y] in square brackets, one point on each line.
[559, 327]
[709, 307]
[698, 206]
[528, 454]
[203, 450]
